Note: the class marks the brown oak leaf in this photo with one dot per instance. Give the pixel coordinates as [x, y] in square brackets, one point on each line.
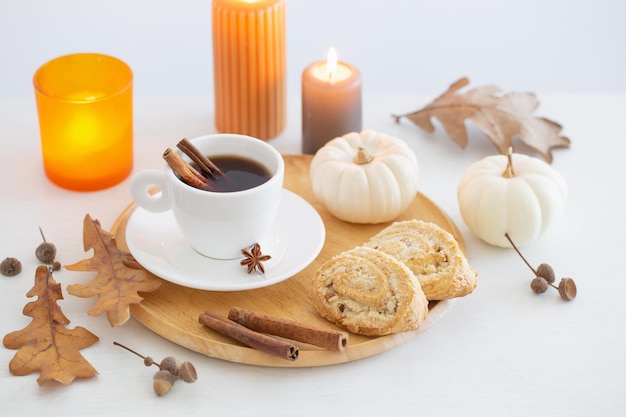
[46, 345]
[120, 277]
[501, 117]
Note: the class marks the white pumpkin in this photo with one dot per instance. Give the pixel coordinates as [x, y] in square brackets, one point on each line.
[365, 177]
[515, 194]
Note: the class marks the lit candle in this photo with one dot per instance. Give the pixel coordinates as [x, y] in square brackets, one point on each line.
[331, 102]
[250, 67]
[84, 104]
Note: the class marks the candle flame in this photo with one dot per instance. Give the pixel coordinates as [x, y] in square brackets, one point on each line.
[331, 64]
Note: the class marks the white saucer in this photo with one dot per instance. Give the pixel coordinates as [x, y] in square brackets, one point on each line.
[158, 245]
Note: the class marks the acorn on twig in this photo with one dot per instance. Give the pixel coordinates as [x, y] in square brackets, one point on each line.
[544, 278]
[170, 369]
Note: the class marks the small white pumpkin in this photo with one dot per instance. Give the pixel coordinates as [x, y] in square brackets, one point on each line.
[365, 177]
[515, 194]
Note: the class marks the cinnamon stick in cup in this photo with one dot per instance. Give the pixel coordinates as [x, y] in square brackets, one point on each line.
[260, 341]
[204, 163]
[329, 339]
[185, 171]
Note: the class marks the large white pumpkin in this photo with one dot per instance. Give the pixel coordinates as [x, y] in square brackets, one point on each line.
[365, 177]
[515, 194]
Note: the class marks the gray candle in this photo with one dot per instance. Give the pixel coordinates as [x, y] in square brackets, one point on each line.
[331, 102]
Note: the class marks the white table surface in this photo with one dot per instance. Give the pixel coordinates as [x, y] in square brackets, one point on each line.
[501, 351]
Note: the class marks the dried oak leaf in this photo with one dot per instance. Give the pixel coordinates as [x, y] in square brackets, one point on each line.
[120, 277]
[46, 345]
[501, 117]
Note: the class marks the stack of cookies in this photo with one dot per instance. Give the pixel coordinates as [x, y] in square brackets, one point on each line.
[384, 286]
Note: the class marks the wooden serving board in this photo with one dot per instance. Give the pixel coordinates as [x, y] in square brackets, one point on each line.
[172, 311]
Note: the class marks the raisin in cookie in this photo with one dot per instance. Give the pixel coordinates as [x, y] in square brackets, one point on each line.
[368, 292]
[432, 254]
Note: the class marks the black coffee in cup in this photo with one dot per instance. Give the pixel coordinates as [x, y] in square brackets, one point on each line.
[239, 174]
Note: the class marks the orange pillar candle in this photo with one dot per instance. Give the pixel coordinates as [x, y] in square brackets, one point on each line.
[84, 103]
[331, 102]
[250, 67]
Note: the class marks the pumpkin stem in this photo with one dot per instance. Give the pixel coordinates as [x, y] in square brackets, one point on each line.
[509, 172]
[362, 157]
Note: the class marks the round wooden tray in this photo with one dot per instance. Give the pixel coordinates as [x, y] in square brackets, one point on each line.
[172, 311]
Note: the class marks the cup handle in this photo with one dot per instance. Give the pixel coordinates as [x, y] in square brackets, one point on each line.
[140, 187]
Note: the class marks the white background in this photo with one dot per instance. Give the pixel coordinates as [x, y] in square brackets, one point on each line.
[501, 352]
[400, 46]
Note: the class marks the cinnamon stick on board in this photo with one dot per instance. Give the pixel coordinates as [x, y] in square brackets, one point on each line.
[260, 341]
[185, 171]
[204, 163]
[329, 339]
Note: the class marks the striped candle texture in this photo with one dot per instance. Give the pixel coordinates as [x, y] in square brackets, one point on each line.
[250, 67]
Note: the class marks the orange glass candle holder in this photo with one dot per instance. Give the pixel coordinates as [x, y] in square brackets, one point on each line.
[250, 67]
[84, 103]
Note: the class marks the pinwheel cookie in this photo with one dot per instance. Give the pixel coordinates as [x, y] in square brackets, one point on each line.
[432, 254]
[368, 292]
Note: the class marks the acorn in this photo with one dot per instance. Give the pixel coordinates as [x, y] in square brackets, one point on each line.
[187, 372]
[567, 289]
[10, 267]
[539, 285]
[169, 364]
[546, 272]
[162, 382]
[46, 251]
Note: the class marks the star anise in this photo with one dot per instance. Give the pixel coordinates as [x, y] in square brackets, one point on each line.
[254, 258]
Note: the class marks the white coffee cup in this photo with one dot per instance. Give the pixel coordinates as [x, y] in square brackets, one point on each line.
[217, 224]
